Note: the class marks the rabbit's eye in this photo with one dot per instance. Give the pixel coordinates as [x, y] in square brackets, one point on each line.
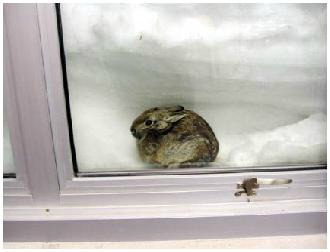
[148, 122]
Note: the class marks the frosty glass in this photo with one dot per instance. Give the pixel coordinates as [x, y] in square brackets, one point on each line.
[8, 161]
[255, 72]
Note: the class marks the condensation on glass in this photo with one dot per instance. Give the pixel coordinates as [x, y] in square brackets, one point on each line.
[8, 161]
[255, 72]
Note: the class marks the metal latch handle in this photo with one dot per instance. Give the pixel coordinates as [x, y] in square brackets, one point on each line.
[264, 181]
[249, 185]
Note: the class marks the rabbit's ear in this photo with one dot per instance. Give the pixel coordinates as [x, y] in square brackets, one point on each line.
[175, 118]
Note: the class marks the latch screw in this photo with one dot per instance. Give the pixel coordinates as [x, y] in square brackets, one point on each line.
[248, 187]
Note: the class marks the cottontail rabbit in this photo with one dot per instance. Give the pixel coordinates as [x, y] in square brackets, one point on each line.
[174, 137]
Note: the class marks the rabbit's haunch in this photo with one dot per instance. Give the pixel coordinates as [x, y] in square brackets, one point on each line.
[174, 137]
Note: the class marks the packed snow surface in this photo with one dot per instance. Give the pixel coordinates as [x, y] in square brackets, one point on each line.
[255, 72]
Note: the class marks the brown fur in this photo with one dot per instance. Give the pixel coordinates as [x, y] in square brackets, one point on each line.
[175, 137]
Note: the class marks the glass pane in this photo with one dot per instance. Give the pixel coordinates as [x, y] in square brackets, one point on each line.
[255, 72]
[8, 161]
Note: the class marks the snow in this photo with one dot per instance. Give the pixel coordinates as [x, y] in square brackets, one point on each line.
[298, 143]
[255, 72]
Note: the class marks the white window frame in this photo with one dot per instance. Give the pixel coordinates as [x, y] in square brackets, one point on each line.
[29, 134]
[46, 188]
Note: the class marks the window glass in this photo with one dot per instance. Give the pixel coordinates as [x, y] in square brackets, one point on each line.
[8, 161]
[255, 72]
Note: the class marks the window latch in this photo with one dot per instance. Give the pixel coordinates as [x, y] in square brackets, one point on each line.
[249, 185]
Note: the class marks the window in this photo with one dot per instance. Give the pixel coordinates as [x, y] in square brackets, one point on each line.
[256, 73]
[44, 94]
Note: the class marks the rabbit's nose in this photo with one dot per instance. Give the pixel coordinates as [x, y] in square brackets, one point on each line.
[134, 133]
